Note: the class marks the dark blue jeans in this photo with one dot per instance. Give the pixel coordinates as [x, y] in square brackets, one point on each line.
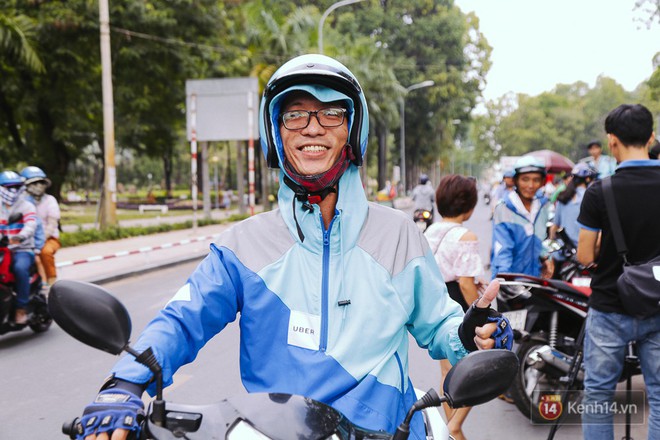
[605, 346]
[22, 263]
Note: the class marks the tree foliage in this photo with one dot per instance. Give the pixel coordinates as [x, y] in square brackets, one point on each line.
[50, 94]
[562, 120]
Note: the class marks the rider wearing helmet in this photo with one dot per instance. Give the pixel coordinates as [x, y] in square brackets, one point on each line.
[312, 279]
[519, 223]
[569, 200]
[423, 195]
[504, 188]
[18, 222]
[48, 211]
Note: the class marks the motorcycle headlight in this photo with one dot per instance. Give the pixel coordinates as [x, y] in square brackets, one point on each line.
[244, 431]
[426, 214]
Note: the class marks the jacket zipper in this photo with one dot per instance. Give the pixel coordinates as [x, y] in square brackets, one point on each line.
[324, 284]
[398, 361]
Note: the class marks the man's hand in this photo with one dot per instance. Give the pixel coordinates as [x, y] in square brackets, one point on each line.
[119, 434]
[548, 268]
[15, 240]
[484, 328]
[113, 414]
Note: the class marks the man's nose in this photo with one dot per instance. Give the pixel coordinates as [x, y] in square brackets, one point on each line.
[314, 126]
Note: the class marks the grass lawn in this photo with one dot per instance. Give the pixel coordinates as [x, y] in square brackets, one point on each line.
[79, 214]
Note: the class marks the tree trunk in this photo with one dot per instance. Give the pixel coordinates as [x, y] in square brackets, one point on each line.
[167, 171]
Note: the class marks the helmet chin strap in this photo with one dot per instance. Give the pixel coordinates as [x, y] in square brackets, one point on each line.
[308, 198]
[314, 189]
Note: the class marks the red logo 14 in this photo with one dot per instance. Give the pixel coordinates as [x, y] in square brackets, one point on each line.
[550, 406]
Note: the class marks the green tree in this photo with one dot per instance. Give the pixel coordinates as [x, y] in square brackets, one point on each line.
[58, 114]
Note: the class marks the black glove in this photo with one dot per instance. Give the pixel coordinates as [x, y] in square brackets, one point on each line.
[478, 317]
[112, 409]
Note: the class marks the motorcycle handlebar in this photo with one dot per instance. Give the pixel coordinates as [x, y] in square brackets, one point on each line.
[69, 428]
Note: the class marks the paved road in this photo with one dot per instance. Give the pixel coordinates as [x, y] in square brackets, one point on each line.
[49, 377]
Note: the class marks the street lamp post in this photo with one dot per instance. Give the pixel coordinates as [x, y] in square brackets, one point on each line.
[325, 15]
[427, 83]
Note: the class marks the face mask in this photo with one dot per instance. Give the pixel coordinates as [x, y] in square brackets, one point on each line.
[9, 194]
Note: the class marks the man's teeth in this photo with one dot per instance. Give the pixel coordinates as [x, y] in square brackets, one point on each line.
[314, 148]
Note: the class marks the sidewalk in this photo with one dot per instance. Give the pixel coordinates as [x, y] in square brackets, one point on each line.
[108, 261]
[112, 260]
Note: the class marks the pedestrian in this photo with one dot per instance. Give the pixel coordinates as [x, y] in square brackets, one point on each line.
[48, 212]
[603, 163]
[358, 276]
[609, 329]
[654, 150]
[456, 250]
[519, 224]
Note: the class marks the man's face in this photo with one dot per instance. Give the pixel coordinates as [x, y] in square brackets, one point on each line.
[528, 185]
[313, 149]
[508, 182]
[595, 151]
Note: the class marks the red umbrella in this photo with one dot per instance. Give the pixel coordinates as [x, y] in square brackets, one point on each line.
[554, 162]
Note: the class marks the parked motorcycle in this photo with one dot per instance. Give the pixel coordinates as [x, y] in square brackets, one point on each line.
[568, 268]
[548, 318]
[96, 318]
[39, 319]
[423, 218]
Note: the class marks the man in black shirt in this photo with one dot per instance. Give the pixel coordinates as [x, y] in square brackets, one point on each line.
[636, 185]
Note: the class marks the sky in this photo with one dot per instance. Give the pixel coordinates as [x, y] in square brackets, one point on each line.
[539, 44]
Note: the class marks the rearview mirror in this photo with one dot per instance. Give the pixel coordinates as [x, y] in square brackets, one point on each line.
[479, 377]
[90, 314]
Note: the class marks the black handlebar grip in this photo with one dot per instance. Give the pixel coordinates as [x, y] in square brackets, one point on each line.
[70, 428]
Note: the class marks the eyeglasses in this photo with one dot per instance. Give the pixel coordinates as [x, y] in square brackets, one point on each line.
[327, 117]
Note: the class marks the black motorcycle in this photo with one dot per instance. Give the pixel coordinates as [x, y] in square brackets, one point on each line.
[39, 319]
[548, 317]
[567, 266]
[423, 218]
[96, 318]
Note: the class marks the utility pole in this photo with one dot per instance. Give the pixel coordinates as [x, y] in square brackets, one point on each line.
[109, 197]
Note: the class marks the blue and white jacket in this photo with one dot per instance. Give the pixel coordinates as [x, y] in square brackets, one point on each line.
[518, 234]
[327, 317]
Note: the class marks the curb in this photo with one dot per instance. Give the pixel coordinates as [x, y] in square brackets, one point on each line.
[135, 251]
[144, 270]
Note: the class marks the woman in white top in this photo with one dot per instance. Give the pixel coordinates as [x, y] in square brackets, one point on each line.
[456, 250]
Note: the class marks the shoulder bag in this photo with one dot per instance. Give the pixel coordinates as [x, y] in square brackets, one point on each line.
[639, 284]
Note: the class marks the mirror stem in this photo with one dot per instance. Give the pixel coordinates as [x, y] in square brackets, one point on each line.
[431, 398]
[148, 359]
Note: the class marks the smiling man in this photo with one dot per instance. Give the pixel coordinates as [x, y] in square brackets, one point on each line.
[519, 224]
[328, 286]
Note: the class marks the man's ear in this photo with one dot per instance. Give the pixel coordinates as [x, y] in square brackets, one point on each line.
[651, 140]
[613, 140]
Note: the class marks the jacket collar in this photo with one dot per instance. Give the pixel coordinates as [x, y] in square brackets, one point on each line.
[351, 212]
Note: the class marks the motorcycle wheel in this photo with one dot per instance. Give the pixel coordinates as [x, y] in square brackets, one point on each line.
[41, 319]
[530, 384]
